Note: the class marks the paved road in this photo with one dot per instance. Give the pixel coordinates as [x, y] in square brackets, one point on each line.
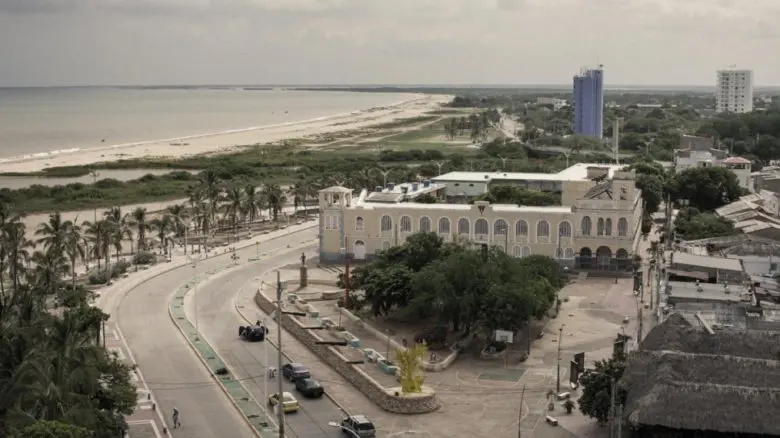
[219, 322]
[171, 369]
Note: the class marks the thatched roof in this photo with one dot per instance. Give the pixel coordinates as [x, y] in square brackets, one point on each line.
[684, 378]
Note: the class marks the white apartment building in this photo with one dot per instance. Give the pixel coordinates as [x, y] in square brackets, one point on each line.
[734, 91]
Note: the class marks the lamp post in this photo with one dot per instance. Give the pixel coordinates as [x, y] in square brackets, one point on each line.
[279, 350]
[558, 373]
[384, 175]
[350, 431]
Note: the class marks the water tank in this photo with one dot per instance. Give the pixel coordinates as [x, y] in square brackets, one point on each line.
[415, 186]
[378, 189]
[404, 190]
[390, 186]
[426, 183]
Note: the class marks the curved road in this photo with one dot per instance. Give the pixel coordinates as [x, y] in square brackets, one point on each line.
[172, 370]
[219, 322]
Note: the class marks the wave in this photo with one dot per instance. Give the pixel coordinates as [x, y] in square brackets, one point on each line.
[332, 117]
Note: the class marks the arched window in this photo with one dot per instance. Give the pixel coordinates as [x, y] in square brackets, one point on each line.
[526, 251]
[387, 223]
[543, 229]
[608, 227]
[444, 225]
[569, 253]
[481, 227]
[622, 227]
[500, 228]
[385, 245]
[406, 224]
[517, 251]
[564, 229]
[359, 224]
[586, 226]
[600, 227]
[464, 227]
[521, 228]
[425, 225]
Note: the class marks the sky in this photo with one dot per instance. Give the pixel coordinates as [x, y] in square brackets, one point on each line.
[182, 42]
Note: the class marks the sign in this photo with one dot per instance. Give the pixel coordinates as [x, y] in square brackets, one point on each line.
[580, 359]
[574, 372]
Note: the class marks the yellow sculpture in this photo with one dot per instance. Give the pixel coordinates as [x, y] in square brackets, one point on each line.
[409, 362]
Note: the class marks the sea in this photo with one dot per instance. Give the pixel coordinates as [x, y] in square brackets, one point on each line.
[47, 120]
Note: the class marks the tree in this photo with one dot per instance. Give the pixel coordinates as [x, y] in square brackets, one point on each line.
[275, 199]
[139, 220]
[693, 225]
[596, 399]
[54, 429]
[426, 198]
[409, 362]
[706, 188]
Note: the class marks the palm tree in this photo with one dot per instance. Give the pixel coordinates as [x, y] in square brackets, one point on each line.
[210, 186]
[49, 269]
[163, 227]
[121, 229]
[234, 208]
[17, 246]
[52, 234]
[300, 193]
[74, 250]
[253, 202]
[178, 213]
[139, 221]
[275, 200]
[99, 234]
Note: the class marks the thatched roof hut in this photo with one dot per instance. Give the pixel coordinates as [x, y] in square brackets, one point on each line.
[683, 378]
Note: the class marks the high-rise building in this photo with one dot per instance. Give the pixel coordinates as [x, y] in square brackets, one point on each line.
[734, 91]
[588, 102]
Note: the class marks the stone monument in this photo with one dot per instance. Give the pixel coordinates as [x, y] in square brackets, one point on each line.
[304, 280]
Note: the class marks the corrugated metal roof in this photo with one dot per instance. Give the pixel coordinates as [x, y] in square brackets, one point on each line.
[706, 261]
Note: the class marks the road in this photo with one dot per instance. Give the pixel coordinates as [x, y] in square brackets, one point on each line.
[219, 321]
[171, 369]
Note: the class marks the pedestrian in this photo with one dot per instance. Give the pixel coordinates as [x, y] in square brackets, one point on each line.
[271, 373]
[176, 422]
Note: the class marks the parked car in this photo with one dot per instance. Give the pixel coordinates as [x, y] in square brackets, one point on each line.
[290, 403]
[309, 388]
[358, 425]
[295, 371]
[253, 333]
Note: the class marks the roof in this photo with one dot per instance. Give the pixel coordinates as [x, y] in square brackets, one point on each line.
[598, 190]
[732, 378]
[687, 291]
[736, 160]
[706, 261]
[576, 172]
[499, 208]
[337, 189]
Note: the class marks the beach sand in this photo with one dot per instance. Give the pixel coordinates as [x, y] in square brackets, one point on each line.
[228, 142]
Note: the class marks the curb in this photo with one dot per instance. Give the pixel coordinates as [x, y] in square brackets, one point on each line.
[241, 314]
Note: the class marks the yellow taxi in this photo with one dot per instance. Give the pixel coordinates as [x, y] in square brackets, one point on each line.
[289, 404]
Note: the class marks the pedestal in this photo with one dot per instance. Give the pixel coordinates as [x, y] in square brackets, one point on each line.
[304, 280]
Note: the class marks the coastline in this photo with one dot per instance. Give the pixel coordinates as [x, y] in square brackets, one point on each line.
[226, 141]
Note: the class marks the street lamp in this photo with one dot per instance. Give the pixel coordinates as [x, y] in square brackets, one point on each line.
[558, 374]
[384, 175]
[350, 431]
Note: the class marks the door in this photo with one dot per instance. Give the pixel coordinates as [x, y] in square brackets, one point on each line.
[360, 250]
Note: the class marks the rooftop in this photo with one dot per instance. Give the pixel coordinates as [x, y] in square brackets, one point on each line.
[399, 192]
[677, 291]
[721, 263]
[499, 208]
[577, 172]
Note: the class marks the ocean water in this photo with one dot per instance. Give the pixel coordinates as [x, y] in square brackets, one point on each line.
[40, 120]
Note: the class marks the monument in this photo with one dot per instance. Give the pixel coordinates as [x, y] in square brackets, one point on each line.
[304, 280]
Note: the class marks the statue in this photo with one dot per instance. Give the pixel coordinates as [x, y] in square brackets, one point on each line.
[409, 362]
[303, 259]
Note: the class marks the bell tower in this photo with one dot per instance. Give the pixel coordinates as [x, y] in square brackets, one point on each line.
[333, 202]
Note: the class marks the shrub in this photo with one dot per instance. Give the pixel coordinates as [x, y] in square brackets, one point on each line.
[99, 277]
[144, 258]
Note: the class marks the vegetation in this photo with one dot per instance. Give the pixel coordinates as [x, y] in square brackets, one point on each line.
[692, 224]
[754, 135]
[505, 194]
[597, 387]
[409, 361]
[470, 290]
[57, 380]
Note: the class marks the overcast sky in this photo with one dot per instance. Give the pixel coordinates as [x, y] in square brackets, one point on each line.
[640, 42]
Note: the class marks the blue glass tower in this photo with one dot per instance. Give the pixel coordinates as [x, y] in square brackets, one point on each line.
[588, 103]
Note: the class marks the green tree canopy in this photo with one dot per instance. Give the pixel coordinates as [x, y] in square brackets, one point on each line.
[597, 383]
[706, 188]
[693, 224]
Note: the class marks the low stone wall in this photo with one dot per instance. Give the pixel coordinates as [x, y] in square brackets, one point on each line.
[417, 404]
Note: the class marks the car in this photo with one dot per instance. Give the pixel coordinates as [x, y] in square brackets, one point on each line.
[253, 333]
[290, 403]
[358, 425]
[295, 371]
[309, 388]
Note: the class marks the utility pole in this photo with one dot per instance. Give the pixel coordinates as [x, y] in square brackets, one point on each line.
[558, 373]
[520, 414]
[280, 404]
[640, 323]
[619, 421]
[612, 408]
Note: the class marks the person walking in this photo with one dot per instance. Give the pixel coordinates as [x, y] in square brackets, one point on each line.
[176, 422]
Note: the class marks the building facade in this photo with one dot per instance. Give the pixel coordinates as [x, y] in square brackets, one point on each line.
[588, 103]
[701, 152]
[600, 230]
[734, 91]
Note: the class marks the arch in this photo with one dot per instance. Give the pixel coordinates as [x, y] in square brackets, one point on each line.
[543, 229]
[385, 245]
[608, 227]
[386, 223]
[586, 226]
[517, 251]
[425, 224]
[464, 227]
[481, 226]
[604, 256]
[359, 225]
[622, 227]
[621, 254]
[359, 250]
[568, 253]
[444, 225]
[526, 251]
[585, 259]
[600, 227]
[564, 229]
[500, 228]
[521, 228]
[406, 224]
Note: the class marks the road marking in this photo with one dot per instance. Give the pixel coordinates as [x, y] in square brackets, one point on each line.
[114, 334]
[145, 422]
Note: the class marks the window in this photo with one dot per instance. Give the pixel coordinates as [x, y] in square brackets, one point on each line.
[569, 253]
[406, 224]
[464, 227]
[387, 223]
[564, 229]
[331, 222]
[481, 227]
[521, 228]
[359, 224]
[500, 228]
[425, 225]
[600, 227]
[586, 226]
[608, 227]
[444, 225]
[622, 227]
[517, 251]
[385, 245]
[543, 229]
[526, 251]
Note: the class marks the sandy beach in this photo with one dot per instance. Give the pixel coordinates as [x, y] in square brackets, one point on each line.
[230, 141]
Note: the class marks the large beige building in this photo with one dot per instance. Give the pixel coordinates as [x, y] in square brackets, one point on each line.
[598, 228]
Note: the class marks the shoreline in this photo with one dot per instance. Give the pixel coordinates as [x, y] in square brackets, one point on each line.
[226, 141]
